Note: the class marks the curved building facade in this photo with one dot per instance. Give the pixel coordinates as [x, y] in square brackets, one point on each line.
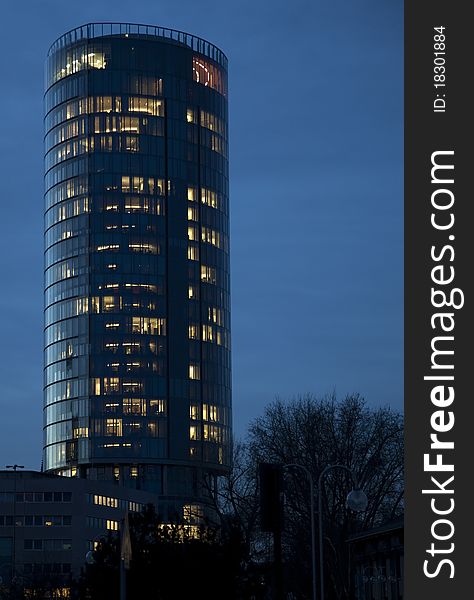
[137, 301]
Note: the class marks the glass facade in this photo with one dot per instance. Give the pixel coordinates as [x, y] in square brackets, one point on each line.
[137, 301]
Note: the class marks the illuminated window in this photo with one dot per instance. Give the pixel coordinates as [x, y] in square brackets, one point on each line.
[130, 184]
[215, 315]
[191, 115]
[112, 525]
[194, 371]
[192, 194]
[213, 413]
[134, 406]
[111, 385]
[209, 198]
[139, 185]
[194, 412]
[95, 386]
[144, 247]
[131, 143]
[157, 407]
[212, 122]
[148, 325]
[216, 143]
[210, 412]
[132, 427]
[131, 347]
[193, 513]
[80, 432]
[101, 104]
[104, 104]
[193, 252]
[133, 204]
[211, 433]
[209, 75]
[208, 274]
[193, 292]
[96, 60]
[193, 214]
[193, 331]
[207, 333]
[132, 387]
[78, 59]
[194, 432]
[108, 247]
[112, 346]
[70, 209]
[193, 234]
[156, 186]
[153, 429]
[105, 143]
[142, 204]
[111, 303]
[113, 427]
[116, 123]
[133, 471]
[152, 106]
[210, 236]
[135, 506]
[105, 501]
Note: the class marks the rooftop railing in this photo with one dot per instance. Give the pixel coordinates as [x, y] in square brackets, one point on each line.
[99, 30]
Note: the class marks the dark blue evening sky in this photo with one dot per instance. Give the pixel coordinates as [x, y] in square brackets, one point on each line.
[316, 196]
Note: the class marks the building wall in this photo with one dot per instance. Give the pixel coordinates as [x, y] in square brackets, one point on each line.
[137, 293]
[48, 523]
[378, 558]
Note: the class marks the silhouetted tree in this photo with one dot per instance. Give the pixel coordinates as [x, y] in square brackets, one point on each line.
[229, 556]
[316, 433]
[35, 586]
[169, 561]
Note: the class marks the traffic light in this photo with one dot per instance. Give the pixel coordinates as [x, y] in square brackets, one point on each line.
[271, 496]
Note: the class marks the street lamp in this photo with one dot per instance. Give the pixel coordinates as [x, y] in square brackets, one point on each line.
[313, 536]
[356, 500]
[14, 468]
[125, 554]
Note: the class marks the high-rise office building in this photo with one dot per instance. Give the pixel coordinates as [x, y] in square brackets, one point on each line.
[137, 307]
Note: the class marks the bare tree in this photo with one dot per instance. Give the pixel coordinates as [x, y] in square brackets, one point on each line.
[235, 501]
[316, 433]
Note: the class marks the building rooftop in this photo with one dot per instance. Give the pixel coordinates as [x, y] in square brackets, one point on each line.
[388, 527]
[134, 30]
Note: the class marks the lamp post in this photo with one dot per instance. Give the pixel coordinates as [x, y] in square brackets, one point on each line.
[356, 500]
[125, 555]
[313, 533]
[14, 468]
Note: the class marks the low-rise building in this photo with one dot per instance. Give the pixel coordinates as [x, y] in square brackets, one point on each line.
[378, 562]
[48, 523]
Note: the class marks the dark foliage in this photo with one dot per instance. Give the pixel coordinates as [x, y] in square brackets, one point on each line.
[169, 562]
[316, 433]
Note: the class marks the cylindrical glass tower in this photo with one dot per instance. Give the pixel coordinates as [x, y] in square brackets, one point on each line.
[137, 307]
